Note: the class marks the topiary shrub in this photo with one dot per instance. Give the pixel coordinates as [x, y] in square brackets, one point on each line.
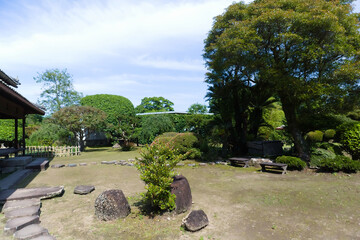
[329, 134]
[339, 163]
[293, 163]
[183, 143]
[315, 136]
[156, 170]
[318, 154]
[350, 139]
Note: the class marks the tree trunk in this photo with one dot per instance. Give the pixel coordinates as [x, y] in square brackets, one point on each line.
[300, 144]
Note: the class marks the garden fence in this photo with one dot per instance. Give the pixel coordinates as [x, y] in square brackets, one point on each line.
[52, 151]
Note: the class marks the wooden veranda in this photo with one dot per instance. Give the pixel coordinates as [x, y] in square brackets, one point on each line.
[14, 106]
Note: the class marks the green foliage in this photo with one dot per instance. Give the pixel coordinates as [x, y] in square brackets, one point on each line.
[306, 58]
[50, 134]
[154, 125]
[197, 108]
[315, 136]
[113, 105]
[329, 134]
[78, 119]
[350, 139]
[58, 91]
[293, 163]
[156, 170]
[339, 163]
[185, 144]
[354, 115]
[7, 129]
[319, 154]
[154, 104]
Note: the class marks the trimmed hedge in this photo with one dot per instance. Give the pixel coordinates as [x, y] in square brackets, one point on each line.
[183, 143]
[340, 163]
[315, 136]
[293, 163]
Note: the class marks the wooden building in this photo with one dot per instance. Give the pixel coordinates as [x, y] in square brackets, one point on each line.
[14, 106]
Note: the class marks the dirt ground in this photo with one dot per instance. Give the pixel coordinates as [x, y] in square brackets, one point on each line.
[240, 203]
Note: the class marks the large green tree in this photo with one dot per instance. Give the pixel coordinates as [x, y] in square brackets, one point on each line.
[57, 90]
[306, 52]
[119, 110]
[80, 120]
[197, 108]
[154, 104]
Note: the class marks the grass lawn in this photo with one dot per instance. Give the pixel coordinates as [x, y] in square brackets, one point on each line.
[240, 203]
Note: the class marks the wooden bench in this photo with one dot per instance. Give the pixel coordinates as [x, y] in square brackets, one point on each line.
[274, 166]
[240, 161]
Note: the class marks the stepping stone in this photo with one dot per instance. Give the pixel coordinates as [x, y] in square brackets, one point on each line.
[108, 162]
[23, 212]
[202, 164]
[57, 165]
[14, 178]
[82, 164]
[191, 164]
[83, 189]
[72, 165]
[30, 232]
[12, 205]
[26, 193]
[94, 163]
[180, 164]
[44, 237]
[16, 224]
[39, 164]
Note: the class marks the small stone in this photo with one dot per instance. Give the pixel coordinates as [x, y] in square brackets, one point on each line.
[57, 165]
[72, 165]
[93, 163]
[82, 164]
[83, 189]
[202, 164]
[131, 160]
[195, 221]
[30, 232]
[109, 162]
[130, 164]
[180, 164]
[116, 145]
[111, 205]
[191, 164]
[44, 237]
[223, 163]
[212, 163]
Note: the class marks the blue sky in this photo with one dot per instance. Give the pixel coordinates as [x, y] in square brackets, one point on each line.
[135, 49]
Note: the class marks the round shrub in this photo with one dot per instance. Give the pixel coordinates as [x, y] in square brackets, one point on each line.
[293, 163]
[329, 134]
[315, 136]
[351, 140]
[318, 154]
[113, 105]
[340, 163]
[183, 143]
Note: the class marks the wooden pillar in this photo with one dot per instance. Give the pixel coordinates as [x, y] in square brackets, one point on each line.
[16, 142]
[23, 139]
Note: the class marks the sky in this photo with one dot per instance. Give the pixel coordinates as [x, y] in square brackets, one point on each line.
[135, 49]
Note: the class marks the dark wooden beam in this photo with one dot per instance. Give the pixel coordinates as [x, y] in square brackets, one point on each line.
[23, 139]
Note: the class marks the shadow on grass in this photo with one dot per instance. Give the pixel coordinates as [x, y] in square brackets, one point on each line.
[147, 210]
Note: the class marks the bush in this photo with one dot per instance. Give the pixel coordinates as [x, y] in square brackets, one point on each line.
[329, 134]
[156, 170]
[293, 163]
[319, 154]
[50, 134]
[350, 139]
[339, 163]
[154, 125]
[183, 143]
[315, 136]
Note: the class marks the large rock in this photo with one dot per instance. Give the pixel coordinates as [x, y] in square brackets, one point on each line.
[195, 221]
[111, 205]
[181, 188]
